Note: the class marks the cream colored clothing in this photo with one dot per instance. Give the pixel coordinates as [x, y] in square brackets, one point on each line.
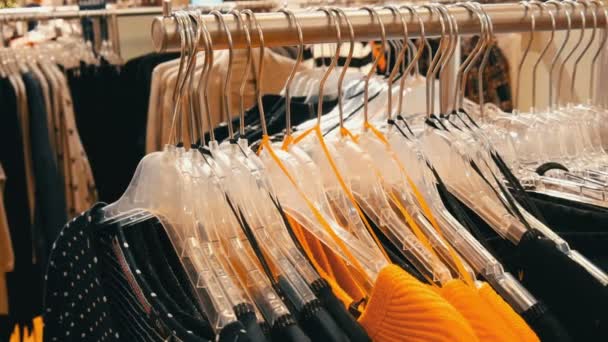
[80, 189]
[164, 78]
[7, 257]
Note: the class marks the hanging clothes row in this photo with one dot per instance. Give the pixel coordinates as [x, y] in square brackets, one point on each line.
[346, 206]
[47, 176]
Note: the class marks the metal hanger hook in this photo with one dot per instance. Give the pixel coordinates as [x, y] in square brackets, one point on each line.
[248, 64]
[293, 21]
[419, 51]
[526, 51]
[562, 68]
[599, 5]
[586, 49]
[542, 7]
[559, 6]
[333, 63]
[398, 60]
[463, 69]
[204, 77]
[351, 38]
[226, 97]
[430, 74]
[260, 70]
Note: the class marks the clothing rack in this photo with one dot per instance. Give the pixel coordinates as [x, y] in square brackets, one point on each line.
[72, 12]
[316, 28]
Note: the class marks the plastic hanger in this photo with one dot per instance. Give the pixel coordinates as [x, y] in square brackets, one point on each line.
[157, 187]
[236, 244]
[481, 260]
[311, 148]
[309, 207]
[368, 190]
[241, 184]
[525, 216]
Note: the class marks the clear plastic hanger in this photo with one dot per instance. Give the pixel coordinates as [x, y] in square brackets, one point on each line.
[256, 208]
[535, 223]
[312, 147]
[481, 260]
[535, 145]
[368, 188]
[399, 185]
[236, 245]
[158, 187]
[308, 205]
[446, 151]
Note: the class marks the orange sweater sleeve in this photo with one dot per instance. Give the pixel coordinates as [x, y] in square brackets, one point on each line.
[401, 308]
[509, 316]
[487, 324]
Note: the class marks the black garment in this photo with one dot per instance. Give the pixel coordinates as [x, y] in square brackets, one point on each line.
[319, 325]
[570, 291]
[544, 324]
[98, 101]
[135, 257]
[170, 271]
[577, 300]
[324, 294]
[246, 315]
[25, 282]
[540, 318]
[583, 226]
[106, 100]
[311, 316]
[76, 304]
[91, 293]
[334, 306]
[393, 251]
[50, 212]
[286, 329]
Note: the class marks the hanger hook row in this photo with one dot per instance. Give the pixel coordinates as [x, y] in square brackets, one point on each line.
[592, 87]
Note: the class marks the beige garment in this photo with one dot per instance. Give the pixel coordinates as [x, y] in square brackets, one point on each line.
[275, 73]
[81, 193]
[160, 112]
[7, 257]
[166, 117]
[153, 135]
[154, 140]
[510, 45]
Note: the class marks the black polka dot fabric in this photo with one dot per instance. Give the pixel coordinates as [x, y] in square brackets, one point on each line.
[76, 306]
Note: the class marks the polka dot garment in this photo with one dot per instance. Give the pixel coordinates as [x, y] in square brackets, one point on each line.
[76, 307]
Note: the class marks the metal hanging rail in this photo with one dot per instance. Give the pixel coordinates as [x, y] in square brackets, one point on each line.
[69, 13]
[316, 28]
[72, 12]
